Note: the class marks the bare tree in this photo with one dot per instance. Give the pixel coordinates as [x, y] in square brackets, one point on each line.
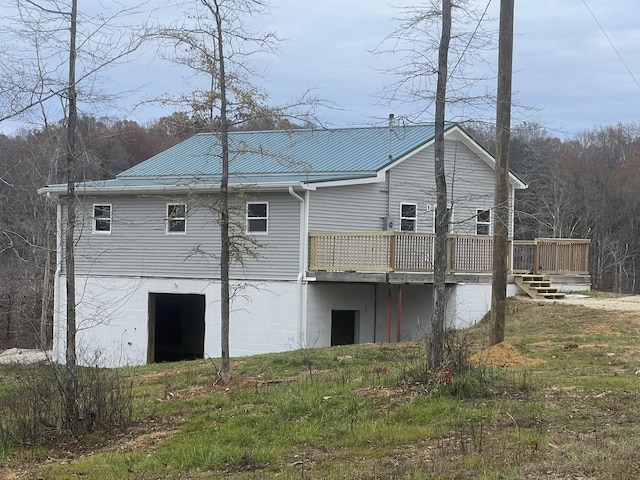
[436, 352]
[33, 83]
[37, 82]
[601, 167]
[413, 46]
[415, 42]
[219, 42]
[27, 237]
[71, 376]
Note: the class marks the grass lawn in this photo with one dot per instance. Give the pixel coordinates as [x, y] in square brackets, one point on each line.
[366, 412]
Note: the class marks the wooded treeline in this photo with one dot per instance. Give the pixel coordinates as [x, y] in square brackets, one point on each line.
[584, 187]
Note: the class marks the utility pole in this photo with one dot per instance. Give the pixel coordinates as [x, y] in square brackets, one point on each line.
[501, 203]
[71, 371]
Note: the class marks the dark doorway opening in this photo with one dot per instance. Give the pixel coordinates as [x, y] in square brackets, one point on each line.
[343, 327]
[176, 327]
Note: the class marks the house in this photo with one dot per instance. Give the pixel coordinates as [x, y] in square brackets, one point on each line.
[344, 219]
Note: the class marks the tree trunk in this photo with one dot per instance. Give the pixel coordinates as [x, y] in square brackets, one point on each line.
[501, 208]
[436, 351]
[224, 200]
[71, 372]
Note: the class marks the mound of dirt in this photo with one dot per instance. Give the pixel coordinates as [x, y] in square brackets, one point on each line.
[502, 354]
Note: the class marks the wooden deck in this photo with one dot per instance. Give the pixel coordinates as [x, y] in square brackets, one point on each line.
[386, 251]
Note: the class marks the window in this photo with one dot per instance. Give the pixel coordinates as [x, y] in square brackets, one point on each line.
[257, 217]
[408, 217]
[483, 222]
[176, 218]
[102, 219]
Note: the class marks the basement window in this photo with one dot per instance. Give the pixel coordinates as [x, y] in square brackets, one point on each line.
[102, 219]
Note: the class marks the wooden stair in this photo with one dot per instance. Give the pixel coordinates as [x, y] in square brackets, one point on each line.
[538, 286]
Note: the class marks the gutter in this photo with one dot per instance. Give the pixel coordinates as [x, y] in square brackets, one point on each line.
[162, 189]
[301, 278]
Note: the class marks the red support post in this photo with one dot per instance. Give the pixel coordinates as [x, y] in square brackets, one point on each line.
[388, 339]
[399, 320]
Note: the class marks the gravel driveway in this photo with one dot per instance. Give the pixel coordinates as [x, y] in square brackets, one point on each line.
[629, 304]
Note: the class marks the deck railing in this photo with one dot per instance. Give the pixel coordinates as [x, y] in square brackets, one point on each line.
[414, 252]
[552, 255]
[350, 251]
[411, 252]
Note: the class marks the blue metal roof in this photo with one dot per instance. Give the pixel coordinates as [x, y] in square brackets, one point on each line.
[272, 159]
[290, 154]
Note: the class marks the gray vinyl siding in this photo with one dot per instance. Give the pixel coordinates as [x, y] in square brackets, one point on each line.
[349, 208]
[470, 182]
[138, 244]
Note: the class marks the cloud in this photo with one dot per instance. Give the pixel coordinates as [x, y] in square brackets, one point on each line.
[567, 75]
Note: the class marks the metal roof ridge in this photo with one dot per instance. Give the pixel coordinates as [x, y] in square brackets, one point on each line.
[325, 129]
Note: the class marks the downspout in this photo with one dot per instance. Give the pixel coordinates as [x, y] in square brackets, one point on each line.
[56, 279]
[511, 230]
[305, 261]
[301, 307]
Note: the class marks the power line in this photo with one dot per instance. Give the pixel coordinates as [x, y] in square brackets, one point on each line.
[611, 43]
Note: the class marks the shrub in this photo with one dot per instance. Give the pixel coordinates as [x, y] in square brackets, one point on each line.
[32, 406]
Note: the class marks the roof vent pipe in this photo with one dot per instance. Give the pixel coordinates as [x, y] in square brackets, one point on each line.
[390, 135]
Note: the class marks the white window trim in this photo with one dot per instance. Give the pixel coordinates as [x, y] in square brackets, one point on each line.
[490, 223]
[168, 220]
[415, 219]
[266, 232]
[94, 219]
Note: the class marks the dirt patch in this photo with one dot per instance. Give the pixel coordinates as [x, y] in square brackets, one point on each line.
[401, 392]
[150, 376]
[144, 437]
[502, 354]
[10, 474]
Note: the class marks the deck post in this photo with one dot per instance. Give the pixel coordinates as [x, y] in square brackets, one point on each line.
[536, 256]
[392, 253]
[313, 256]
[452, 253]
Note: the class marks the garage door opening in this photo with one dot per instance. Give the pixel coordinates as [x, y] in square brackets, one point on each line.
[176, 327]
[344, 325]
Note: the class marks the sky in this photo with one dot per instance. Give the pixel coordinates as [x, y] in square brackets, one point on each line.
[576, 64]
